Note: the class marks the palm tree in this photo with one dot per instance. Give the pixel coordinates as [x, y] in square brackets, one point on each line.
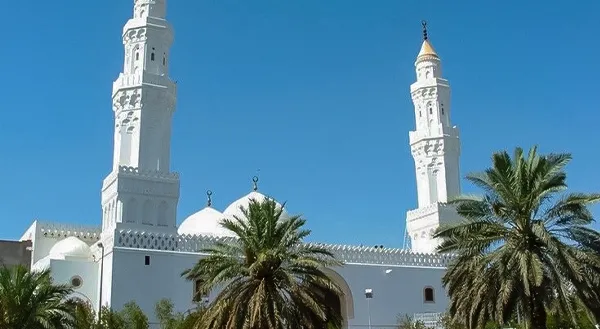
[83, 313]
[30, 300]
[523, 246]
[268, 279]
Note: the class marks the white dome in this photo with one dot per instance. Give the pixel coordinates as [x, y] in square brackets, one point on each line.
[70, 247]
[234, 208]
[204, 222]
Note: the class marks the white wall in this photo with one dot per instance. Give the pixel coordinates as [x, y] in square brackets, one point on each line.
[63, 270]
[147, 284]
[395, 293]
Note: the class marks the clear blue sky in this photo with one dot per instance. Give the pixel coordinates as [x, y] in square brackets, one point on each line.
[314, 93]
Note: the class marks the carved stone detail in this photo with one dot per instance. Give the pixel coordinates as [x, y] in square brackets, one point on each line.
[135, 35]
[60, 231]
[127, 100]
[424, 93]
[428, 148]
[345, 253]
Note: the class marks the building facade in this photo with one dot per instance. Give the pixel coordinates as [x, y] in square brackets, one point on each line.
[139, 252]
[13, 253]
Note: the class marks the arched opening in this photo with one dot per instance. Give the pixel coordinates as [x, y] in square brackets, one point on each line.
[345, 302]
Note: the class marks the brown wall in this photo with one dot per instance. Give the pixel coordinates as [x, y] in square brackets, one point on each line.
[15, 253]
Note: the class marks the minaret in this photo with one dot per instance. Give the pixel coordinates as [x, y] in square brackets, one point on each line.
[435, 147]
[141, 192]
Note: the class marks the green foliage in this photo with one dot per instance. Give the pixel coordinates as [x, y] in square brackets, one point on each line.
[581, 318]
[169, 319]
[407, 322]
[447, 322]
[271, 279]
[130, 317]
[110, 319]
[525, 245]
[30, 300]
[83, 313]
[165, 314]
[134, 317]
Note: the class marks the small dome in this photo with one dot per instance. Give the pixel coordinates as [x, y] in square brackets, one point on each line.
[204, 222]
[427, 51]
[234, 208]
[70, 247]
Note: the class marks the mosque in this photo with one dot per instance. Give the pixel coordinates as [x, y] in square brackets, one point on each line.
[139, 251]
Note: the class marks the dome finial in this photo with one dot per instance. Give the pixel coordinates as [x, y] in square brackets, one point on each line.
[427, 51]
[255, 183]
[209, 198]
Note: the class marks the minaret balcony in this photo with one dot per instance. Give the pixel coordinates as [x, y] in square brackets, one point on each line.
[126, 81]
[429, 216]
[436, 132]
[126, 171]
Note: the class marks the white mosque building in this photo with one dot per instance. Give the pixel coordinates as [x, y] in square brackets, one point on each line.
[139, 251]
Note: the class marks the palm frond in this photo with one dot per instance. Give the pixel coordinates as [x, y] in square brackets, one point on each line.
[523, 246]
[266, 277]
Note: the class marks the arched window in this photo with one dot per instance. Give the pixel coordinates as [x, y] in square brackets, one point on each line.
[137, 56]
[164, 59]
[152, 55]
[442, 107]
[428, 295]
[430, 110]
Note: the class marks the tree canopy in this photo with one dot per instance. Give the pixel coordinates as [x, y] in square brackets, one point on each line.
[267, 277]
[524, 247]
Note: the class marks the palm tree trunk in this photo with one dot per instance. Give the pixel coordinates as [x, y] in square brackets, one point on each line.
[538, 311]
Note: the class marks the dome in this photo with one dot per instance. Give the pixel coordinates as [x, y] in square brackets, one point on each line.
[234, 208]
[204, 222]
[427, 50]
[70, 247]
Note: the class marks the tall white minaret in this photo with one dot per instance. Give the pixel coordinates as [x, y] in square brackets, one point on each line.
[141, 192]
[435, 147]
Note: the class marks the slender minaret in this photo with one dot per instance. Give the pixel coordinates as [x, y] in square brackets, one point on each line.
[435, 147]
[141, 192]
